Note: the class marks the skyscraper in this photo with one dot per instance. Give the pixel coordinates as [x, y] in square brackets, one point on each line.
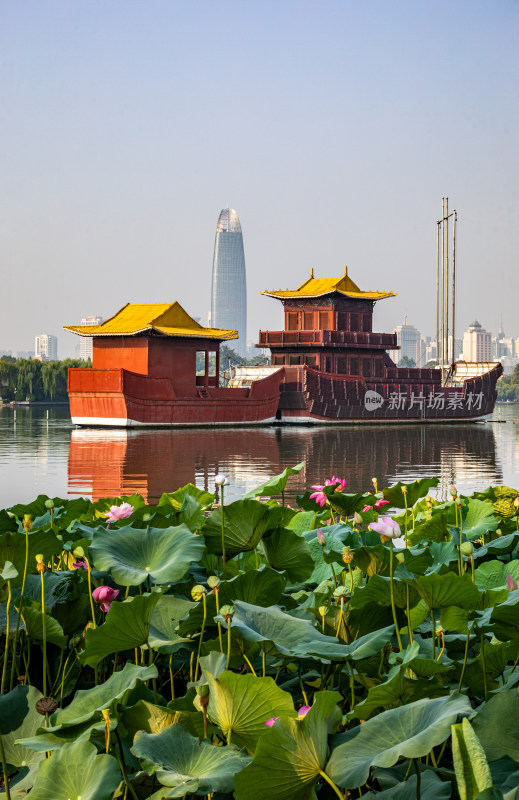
[408, 339]
[229, 287]
[46, 346]
[85, 345]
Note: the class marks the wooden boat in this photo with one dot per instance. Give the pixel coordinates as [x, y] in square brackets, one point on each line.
[144, 372]
[337, 370]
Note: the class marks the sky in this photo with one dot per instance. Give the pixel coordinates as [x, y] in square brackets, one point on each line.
[333, 127]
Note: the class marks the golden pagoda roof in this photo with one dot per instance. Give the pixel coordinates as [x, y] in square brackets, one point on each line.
[169, 319]
[318, 287]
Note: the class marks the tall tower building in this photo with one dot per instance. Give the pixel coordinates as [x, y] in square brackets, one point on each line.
[477, 343]
[409, 340]
[229, 286]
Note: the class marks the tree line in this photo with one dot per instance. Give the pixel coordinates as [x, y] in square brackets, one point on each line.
[34, 380]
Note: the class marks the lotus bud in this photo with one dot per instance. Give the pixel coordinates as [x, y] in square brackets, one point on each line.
[439, 631]
[467, 548]
[357, 519]
[106, 715]
[27, 522]
[347, 555]
[213, 582]
[79, 552]
[221, 480]
[375, 484]
[458, 502]
[49, 503]
[453, 491]
[400, 557]
[516, 502]
[323, 610]
[321, 538]
[511, 584]
[40, 565]
[227, 613]
[202, 691]
[197, 592]
[46, 705]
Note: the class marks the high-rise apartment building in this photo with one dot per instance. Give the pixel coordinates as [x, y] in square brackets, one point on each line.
[85, 345]
[477, 343]
[229, 287]
[46, 347]
[409, 340]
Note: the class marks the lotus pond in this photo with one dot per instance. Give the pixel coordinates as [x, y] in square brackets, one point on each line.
[253, 650]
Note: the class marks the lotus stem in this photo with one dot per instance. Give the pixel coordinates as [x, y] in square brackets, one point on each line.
[89, 579]
[405, 531]
[469, 631]
[334, 576]
[340, 616]
[26, 525]
[332, 784]
[301, 684]
[4, 770]
[351, 578]
[433, 626]
[229, 639]
[408, 614]
[122, 765]
[223, 534]
[201, 636]
[191, 659]
[393, 594]
[513, 667]
[44, 632]
[250, 666]
[172, 685]
[216, 593]
[6, 653]
[264, 661]
[483, 666]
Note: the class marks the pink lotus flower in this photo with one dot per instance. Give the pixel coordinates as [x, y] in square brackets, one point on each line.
[378, 505]
[387, 527]
[82, 564]
[119, 512]
[319, 495]
[103, 596]
[321, 538]
[510, 583]
[301, 714]
[366, 508]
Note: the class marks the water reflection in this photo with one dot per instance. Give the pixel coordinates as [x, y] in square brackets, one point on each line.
[112, 462]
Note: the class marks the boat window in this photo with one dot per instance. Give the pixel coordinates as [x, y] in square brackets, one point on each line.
[341, 365]
[341, 321]
[294, 360]
[323, 320]
[308, 321]
[311, 361]
[354, 322]
[200, 362]
[366, 323]
[277, 360]
[212, 363]
[366, 367]
[292, 321]
[378, 366]
[354, 366]
[328, 364]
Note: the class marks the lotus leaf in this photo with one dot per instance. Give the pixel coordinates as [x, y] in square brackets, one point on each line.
[275, 485]
[470, 764]
[19, 719]
[415, 491]
[180, 761]
[409, 731]
[132, 555]
[439, 591]
[431, 788]
[292, 757]
[76, 771]
[288, 552]
[245, 522]
[477, 517]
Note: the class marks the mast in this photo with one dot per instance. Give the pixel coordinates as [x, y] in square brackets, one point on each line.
[454, 288]
[438, 228]
[443, 287]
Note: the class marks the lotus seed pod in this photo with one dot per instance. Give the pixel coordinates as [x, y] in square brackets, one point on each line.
[227, 612]
[323, 610]
[78, 552]
[213, 581]
[467, 548]
[347, 555]
[197, 592]
[46, 705]
[341, 591]
[49, 503]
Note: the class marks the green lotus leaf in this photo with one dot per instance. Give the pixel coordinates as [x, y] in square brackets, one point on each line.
[174, 500]
[470, 764]
[127, 626]
[8, 523]
[149, 717]
[66, 597]
[132, 555]
[164, 622]
[181, 762]
[431, 530]
[292, 757]
[448, 589]
[241, 704]
[492, 574]
[415, 491]
[275, 485]
[298, 637]
[378, 590]
[504, 618]
[431, 788]
[346, 504]
[76, 771]
[12, 548]
[496, 725]
[8, 572]
[286, 551]
[191, 513]
[502, 546]
[409, 731]
[32, 618]
[245, 522]
[19, 719]
[47, 740]
[300, 522]
[477, 517]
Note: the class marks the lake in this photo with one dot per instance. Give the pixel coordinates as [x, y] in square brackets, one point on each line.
[49, 456]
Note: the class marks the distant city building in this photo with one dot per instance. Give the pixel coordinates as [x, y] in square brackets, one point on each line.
[509, 364]
[25, 354]
[477, 343]
[5, 353]
[46, 345]
[229, 287]
[85, 345]
[408, 338]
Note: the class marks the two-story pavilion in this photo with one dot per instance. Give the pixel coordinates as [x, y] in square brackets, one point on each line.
[329, 327]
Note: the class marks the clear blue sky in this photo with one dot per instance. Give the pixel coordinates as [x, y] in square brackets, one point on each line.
[334, 128]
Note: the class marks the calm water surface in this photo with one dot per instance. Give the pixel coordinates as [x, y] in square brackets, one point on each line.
[51, 457]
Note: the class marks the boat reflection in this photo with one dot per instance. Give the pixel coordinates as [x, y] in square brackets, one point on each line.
[108, 463]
